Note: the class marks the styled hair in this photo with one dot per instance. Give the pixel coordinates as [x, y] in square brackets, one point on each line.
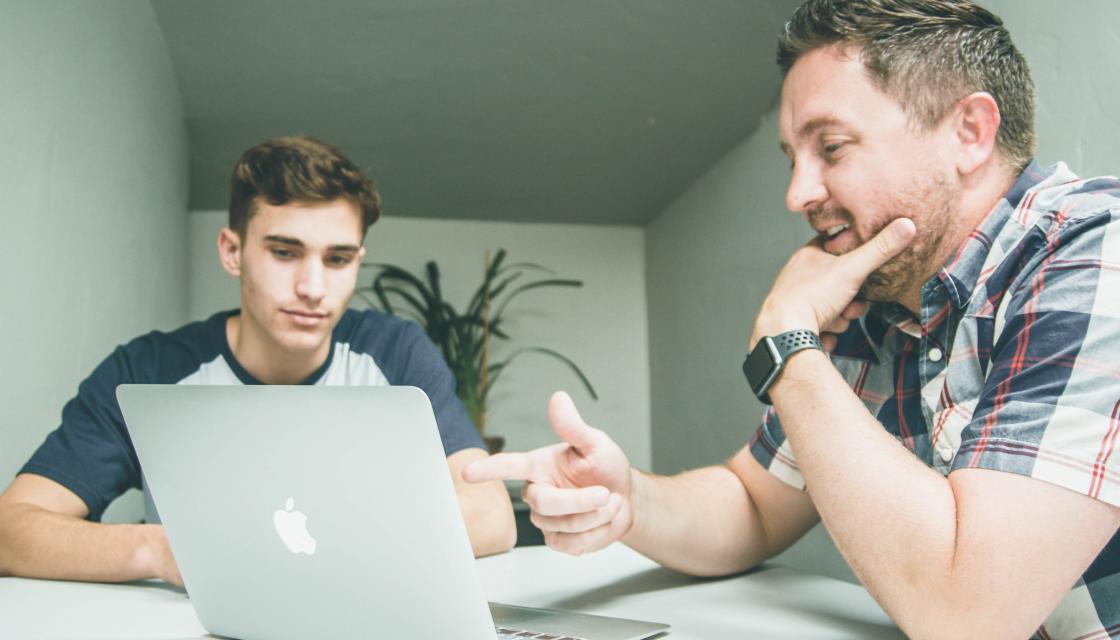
[298, 169]
[927, 55]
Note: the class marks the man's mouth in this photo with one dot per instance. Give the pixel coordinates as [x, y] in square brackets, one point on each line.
[837, 239]
[305, 318]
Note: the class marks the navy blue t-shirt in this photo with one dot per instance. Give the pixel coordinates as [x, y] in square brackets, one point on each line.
[91, 453]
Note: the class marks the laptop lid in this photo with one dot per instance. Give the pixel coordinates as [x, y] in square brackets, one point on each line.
[310, 511]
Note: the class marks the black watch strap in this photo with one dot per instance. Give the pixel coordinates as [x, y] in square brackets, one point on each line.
[791, 342]
[765, 362]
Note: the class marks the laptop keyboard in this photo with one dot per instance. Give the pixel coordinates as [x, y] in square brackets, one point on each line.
[511, 634]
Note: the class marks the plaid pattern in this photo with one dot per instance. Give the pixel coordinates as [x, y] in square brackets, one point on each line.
[1014, 365]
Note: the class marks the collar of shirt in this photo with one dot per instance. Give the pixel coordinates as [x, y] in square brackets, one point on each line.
[956, 281]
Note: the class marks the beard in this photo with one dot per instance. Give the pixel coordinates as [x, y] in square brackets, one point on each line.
[930, 201]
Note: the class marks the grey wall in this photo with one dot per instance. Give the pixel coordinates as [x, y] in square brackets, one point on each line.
[94, 181]
[601, 326]
[712, 255]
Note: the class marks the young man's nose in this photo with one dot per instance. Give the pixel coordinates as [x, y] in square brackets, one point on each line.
[806, 189]
[310, 283]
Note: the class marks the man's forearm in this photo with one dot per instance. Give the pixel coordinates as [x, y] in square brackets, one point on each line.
[488, 514]
[701, 522]
[893, 518]
[37, 543]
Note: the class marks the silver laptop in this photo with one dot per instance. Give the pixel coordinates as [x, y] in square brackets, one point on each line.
[300, 512]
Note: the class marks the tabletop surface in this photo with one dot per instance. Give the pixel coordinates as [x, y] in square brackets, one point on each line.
[769, 602]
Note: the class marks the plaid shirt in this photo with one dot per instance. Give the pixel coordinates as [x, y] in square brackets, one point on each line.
[1014, 365]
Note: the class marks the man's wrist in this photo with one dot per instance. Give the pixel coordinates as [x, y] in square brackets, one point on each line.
[769, 327]
[797, 371]
[634, 500]
[766, 361]
[141, 562]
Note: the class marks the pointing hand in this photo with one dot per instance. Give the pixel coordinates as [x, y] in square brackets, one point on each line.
[578, 489]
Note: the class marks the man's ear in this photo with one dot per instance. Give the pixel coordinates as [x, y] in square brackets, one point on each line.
[977, 123]
[229, 251]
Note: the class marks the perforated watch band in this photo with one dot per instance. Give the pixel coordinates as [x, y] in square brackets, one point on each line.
[764, 364]
[791, 342]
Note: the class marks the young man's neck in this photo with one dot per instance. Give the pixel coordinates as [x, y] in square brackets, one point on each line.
[267, 361]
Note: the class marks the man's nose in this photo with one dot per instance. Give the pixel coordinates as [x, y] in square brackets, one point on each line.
[806, 188]
[310, 284]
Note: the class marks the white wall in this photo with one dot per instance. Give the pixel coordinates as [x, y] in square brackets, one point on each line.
[601, 326]
[94, 181]
[1073, 50]
[712, 255]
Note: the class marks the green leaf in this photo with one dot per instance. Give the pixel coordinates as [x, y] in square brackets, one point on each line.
[460, 336]
[498, 368]
[418, 306]
[537, 284]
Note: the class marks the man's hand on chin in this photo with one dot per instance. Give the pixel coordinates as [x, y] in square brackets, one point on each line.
[817, 291]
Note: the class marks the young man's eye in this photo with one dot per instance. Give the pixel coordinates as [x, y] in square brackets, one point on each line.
[281, 252]
[339, 261]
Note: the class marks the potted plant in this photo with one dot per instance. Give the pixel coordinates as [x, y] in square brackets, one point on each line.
[464, 336]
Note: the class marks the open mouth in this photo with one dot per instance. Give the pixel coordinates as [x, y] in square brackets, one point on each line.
[832, 232]
[836, 237]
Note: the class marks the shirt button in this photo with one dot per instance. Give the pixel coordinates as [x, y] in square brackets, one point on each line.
[946, 454]
[935, 355]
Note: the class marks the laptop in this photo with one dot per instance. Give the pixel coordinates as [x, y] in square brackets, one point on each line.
[314, 511]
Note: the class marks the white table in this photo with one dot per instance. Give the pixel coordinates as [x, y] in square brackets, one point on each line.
[771, 602]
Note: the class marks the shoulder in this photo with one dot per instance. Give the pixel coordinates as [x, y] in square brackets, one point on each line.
[1065, 208]
[1062, 224]
[373, 332]
[168, 356]
[1071, 196]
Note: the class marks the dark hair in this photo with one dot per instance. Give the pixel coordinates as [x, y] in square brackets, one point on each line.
[927, 55]
[298, 169]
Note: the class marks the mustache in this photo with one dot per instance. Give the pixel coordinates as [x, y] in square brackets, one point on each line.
[819, 215]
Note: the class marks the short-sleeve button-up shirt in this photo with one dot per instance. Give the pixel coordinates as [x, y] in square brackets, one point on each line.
[1014, 364]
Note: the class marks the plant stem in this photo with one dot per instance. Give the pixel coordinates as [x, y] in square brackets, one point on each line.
[484, 366]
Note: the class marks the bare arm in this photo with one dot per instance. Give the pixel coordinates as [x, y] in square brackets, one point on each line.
[43, 534]
[980, 554]
[584, 496]
[717, 520]
[486, 507]
[997, 552]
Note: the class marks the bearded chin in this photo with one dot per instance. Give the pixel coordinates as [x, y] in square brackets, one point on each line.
[879, 287]
[890, 282]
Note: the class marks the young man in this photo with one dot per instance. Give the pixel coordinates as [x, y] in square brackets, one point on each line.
[299, 211]
[958, 443]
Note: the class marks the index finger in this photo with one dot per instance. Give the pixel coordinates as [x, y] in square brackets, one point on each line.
[500, 466]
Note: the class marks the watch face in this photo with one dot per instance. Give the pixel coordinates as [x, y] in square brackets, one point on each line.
[760, 366]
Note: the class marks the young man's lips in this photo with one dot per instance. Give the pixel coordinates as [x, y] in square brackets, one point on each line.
[305, 317]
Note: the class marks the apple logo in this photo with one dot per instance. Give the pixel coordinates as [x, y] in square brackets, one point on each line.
[292, 527]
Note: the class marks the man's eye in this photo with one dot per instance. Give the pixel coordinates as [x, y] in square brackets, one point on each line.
[282, 253]
[339, 261]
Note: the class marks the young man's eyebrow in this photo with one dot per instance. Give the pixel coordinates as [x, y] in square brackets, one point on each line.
[296, 242]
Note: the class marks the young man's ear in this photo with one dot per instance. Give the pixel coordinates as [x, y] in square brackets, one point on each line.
[229, 251]
[977, 124]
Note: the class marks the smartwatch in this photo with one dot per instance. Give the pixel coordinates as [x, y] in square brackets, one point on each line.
[765, 362]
